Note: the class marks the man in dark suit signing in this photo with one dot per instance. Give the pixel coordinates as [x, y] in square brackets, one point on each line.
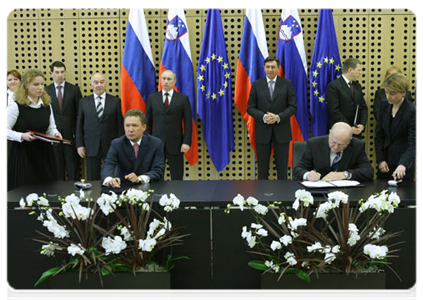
[99, 122]
[64, 102]
[336, 156]
[345, 99]
[271, 103]
[138, 156]
[167, 112]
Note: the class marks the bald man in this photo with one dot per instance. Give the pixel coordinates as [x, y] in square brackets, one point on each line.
[336, 156]
[99, 122]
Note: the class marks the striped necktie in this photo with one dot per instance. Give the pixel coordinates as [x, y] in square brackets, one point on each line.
[336, 161]
[100, 109]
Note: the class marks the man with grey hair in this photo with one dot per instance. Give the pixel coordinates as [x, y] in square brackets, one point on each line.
[99, 122]
[335, 156]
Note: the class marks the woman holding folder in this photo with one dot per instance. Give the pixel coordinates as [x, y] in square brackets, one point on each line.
[30, 159]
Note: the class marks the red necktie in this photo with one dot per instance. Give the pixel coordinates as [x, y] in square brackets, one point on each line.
[166, 104]
[136, 149]
[59, 96]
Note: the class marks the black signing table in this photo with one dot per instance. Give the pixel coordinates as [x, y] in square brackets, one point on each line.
[218, 254]
[215, 192]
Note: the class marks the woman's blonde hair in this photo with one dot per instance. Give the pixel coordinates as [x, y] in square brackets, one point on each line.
[396, 82]
[21, 93]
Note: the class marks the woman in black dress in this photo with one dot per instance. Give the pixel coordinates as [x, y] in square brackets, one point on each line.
[30, 159]
[12, 80]
[396, 131]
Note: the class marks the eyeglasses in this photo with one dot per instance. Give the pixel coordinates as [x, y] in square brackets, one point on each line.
[332, 143]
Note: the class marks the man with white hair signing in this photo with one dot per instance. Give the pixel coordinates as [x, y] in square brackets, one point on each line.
[335, 156]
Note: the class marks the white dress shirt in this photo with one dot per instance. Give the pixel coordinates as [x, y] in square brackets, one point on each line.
[169, 96]
[12, 117]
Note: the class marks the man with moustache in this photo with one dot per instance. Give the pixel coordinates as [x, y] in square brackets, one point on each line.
[99, 122]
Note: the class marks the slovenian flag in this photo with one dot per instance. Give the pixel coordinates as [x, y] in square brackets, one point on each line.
[177, 57]
[290, 50]
[252, 54]
[214, 92]
[138, 77]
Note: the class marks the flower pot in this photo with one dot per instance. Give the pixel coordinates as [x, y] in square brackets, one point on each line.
[325, 281]
[142, 280]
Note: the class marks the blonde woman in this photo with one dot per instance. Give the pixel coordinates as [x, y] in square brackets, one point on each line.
[30, 159]
[396, 131]
[381, 93]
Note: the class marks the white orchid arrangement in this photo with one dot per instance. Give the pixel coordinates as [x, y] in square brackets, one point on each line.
[81, 231]
[330, 236]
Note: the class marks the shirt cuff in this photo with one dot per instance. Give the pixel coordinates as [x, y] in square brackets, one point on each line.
[106, 180]
[144, 178]
[305, 175]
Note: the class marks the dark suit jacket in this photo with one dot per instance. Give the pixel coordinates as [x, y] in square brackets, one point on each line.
[167, 126]
[396, 140]
[381, 95]
[317, 157]
[66, 118]
[283, 104]
[149, 161]
[342, 105]
[92, 132]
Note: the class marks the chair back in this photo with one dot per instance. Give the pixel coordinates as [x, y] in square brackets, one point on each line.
[298, 149]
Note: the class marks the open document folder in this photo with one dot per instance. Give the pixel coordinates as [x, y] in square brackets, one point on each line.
[49, 138]
[328, 184]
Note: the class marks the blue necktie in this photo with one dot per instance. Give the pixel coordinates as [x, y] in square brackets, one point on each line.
[336, 161]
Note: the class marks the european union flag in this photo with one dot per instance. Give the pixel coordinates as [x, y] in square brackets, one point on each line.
[214, 92]
[325, 67]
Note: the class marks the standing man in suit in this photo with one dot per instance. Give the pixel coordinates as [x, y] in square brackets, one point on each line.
[167, 111]
[336, 156]
[138, 156]
[99, 122]
[64, 102]
[345, 99]
[271, 103]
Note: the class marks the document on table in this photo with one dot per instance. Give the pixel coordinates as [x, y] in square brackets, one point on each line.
[326, 184]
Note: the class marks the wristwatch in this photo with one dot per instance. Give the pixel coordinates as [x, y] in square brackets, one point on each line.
[347, 175]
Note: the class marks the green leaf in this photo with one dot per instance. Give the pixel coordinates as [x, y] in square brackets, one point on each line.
[300, 273]
[258, 264]
[47, 274]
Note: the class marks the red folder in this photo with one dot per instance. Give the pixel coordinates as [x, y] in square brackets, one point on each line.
[49, 138]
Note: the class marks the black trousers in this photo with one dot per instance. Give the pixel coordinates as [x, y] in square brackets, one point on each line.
[281, 152]
[67, 162]
[94, 164]
[176, 165]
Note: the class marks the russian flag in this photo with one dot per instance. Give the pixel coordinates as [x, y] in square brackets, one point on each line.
[177, 57]
[138, 77]
[290, 50]
[252, 54]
